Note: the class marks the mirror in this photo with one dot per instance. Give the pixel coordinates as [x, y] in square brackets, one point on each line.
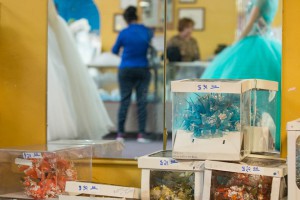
[90, 75]
[239, 40]
[85, 91]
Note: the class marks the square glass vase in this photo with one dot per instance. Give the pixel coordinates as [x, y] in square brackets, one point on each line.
[166, 178]
[223, 119]
[253, 178]
[41, 171]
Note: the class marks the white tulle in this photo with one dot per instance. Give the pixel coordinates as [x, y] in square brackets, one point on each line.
[61, 113]
[75, 110]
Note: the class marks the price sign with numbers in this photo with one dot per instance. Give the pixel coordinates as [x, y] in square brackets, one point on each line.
[167, 162]
[249, 169]
[203, 87]
[102, 189]
[27, 155]
[164, 162]
[84, 187]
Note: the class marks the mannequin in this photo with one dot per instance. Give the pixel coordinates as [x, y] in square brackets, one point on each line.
[256, 55]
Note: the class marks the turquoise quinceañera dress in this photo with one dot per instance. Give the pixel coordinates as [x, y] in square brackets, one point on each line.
[256, 56]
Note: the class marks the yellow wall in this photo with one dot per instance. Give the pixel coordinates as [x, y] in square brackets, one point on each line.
[107, 9]
[23, 31]
[220, 23]
[117, 172]
[278, 18]
[291, 66]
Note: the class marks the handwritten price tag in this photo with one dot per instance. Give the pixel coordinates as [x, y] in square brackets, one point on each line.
[102, 190]
[251, 169]
[202, 87]
[32, 155]
[166, 162]
[84, 187]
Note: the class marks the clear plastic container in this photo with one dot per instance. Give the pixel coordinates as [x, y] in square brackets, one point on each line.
[251, 179]
[166, 178]
[230, 185]
[265, 109]
[41, 171]
[217, 115]
[172, 185]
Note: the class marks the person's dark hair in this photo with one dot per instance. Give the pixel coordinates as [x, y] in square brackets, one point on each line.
[130, 14]
[185, 23]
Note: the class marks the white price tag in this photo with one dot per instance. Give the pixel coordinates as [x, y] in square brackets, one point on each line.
[32, 155]
[20, 161]
[101, 189]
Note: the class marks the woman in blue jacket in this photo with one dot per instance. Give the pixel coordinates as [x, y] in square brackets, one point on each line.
[134, 70]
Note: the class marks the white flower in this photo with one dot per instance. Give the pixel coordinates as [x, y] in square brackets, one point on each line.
[222, 116]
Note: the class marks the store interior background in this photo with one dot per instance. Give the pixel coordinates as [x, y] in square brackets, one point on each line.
[23, 66]
[23, 46]
[220, 24]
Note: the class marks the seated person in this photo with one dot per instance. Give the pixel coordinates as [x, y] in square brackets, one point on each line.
[183, 47]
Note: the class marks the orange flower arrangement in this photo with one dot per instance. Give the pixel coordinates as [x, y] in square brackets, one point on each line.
[47, 176]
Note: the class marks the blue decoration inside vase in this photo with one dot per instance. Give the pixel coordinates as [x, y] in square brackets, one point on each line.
[212, 114]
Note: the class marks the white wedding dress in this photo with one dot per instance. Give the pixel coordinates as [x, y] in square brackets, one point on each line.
[61, 113]
[75, 110]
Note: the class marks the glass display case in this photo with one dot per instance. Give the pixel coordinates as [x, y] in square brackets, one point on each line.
[233, 115]
[101, 148]
[172, 185]
[41, 171]
[293, 129]
[166, 178]
[265, 122]
[252, 179]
